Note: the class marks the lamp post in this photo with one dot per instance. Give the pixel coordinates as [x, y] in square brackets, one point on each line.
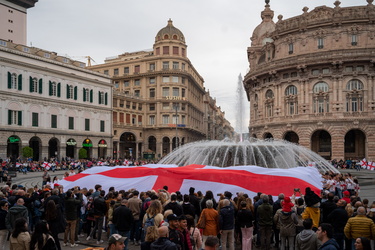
[175, 105]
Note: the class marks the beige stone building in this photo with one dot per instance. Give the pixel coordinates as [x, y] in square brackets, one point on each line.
[158, 97]
[311, 80]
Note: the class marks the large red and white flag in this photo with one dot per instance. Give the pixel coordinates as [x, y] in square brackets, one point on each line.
[248, 179]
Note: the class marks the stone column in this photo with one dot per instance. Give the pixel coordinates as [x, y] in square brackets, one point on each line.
[338, 146]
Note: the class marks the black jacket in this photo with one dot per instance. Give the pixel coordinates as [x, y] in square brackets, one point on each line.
[123, 218]
[188, 208]
[338, 219]
[245, 218]
[226, 219]
[175, 207]
[100, 207]
[163, 243]
[327, 207]
[3, 214]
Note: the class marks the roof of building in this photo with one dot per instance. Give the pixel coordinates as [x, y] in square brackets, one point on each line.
[263, 31]
[170, 32]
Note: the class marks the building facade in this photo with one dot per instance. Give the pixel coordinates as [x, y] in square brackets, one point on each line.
[13, 19]
[311, 80]
[52, 104]
[158, 101]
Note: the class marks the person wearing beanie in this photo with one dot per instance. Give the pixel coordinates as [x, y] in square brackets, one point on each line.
[286, 221]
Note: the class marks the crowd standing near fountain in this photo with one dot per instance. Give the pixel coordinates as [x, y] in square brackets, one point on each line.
[335, 217]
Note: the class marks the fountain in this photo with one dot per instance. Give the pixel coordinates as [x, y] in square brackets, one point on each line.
[263, 153]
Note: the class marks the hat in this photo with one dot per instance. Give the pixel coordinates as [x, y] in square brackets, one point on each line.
[287, 205]
[172, 217]
[346, 193]
[115, 237]
[56, 185]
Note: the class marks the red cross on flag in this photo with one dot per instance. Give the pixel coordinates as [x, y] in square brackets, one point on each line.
[248, 179]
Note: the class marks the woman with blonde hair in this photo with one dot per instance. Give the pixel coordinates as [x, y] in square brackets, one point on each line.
[151, 235]
[154, 211]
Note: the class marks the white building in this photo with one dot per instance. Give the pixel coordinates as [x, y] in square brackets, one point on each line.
[52, 104]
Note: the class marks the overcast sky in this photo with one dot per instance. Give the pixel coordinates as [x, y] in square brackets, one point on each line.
[217, 33]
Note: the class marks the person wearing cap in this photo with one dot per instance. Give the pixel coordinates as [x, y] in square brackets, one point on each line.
[116, 242]
[346, 196]
[174, 234]
[286, 220]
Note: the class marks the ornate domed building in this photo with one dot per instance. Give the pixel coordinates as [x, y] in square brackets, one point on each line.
[159, 99]
[312, 80]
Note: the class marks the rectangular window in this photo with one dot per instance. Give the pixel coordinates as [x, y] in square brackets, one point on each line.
[175, 79]
[320, 43]
[165, 119]
[158, 51]
[165, 91]
[360, 68]
[152, 106]
[71, 123]
[165, 65]
[293, 74]
[183, 80]
[152, 66]
[106, 72]
[151, 120]
[291, 48]
[165, 50]
[139, 106]
[285, 76]
[137, 82]
[354, 40]
[152, 80]
[126, 70]
[175, 50]
[152, 93]
[14, 117]
[53, 121]
[87, 124]
[137, 93]
[183, 66]
[175, 119]
[349, 69]
[126, 84]
[116, 84]
[165, 79]
[165, 106]
[115, 72]
[175, 65]
[102, 126]
[315, 72]
[35, 119]
[176, 92]
[326, 71]
[183, 93]
[137, 68]
[183, 119]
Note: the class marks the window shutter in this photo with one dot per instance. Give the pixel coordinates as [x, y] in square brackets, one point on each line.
[50, 88]
[67, 91]
[84, 94]
[106, 99]
[31, 84]
[40, 86]
[75, 92]
[9, 117]
[20, 118]
[9, 80]
[100, 101]
[58, 89]
[91, 95]
[19, 82]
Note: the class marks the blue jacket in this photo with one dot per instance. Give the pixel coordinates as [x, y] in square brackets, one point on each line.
[226, 219]
[331, 244]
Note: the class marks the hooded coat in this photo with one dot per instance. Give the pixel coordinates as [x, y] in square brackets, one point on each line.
[307, 240]
[331, 244]
[15, 212]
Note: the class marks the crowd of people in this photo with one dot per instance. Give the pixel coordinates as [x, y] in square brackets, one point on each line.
[335, 218]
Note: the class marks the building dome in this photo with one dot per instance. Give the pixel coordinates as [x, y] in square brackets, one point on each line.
[262, 33]
[170, 32]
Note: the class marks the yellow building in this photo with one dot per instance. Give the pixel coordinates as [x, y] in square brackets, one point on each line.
[158, 97]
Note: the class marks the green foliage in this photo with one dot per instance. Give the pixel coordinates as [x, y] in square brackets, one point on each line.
[82, 154]
[27, 152]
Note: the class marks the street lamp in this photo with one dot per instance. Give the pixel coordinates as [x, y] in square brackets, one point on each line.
[175, 106]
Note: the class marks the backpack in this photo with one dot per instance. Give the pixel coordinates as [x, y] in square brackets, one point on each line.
[150, 221]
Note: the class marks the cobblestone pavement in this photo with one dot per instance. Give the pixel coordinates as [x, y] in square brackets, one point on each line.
[366, 179]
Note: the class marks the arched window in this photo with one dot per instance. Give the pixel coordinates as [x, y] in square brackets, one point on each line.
[269, 103]
[321, 98]
[291, 100]
[354, 96]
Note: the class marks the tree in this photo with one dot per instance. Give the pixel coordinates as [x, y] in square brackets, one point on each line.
[82, 154]
[27, 152]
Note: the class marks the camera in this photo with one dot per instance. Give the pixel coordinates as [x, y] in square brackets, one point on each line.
[297, 190]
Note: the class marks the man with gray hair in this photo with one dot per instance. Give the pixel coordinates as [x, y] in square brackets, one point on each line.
[226, 225]
[265, 216]
[359, 226]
